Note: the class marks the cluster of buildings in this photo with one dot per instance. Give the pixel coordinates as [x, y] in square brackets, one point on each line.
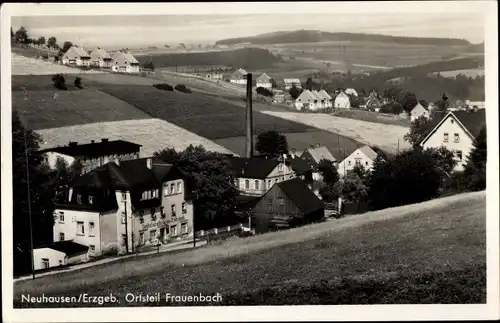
[121, 61]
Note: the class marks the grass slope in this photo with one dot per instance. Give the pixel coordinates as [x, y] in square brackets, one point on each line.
[432, 252]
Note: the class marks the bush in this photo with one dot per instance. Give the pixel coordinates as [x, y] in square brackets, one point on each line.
[265, 92]
[182, 88]
[78, 82]
[164, 86]
[59, 81]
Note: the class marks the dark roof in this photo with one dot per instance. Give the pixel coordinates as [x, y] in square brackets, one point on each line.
[68, 247]
[95, 149]
[246, 202]
[298, 192]
[255, 167]
[300, 165]
[472, 121]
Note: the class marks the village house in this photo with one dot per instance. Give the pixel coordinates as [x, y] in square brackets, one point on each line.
[373, 103]
[342, 101]
[328, 101]
[289, 83]
[475, 104]
[279, 96]
[100, 58]
[264, 81]
[314, 154]
[287, 204]
[58, 254]
[456, 131]
[363, 156]
[321, 101]
[307, 101]
[94, 154]
[76, 56]
[124, 62]
[239, 77]
[214, 76]
[125, 205]
[351, 91]
[419, 111]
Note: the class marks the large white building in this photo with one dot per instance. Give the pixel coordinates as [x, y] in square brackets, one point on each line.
[342, 101]
[363, 156]
[456, 131]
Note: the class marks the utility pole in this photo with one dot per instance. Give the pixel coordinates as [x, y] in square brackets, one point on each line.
[126, 225]
[29, 205]
[194, 234]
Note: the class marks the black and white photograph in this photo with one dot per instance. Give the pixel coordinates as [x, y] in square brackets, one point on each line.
[239, 161]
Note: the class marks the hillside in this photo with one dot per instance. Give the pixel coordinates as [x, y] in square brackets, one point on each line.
[428, 253]
[252, 58]
[315, 36]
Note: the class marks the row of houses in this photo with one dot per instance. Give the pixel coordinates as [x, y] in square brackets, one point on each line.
[121, 61]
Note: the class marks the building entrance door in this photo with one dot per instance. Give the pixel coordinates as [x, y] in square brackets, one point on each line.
[162, 235]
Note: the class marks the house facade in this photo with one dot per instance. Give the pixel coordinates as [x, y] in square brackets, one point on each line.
[456, 131]
[419, 111]
[122, 207]
[307, 101]
[290, 82]
[264, 81]
[124, 62]
[214, 76]
[373, 103]
[314, 155]
[76, 56]
[287, 204]
[342, 101]
[239, 77]
[328, 101]
[60, 253]
[94, 154]
[100, 58]
[363, 156]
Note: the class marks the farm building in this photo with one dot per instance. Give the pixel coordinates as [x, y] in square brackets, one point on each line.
[342, 101]
[456, 131]
[76, 56]
[59, 253]
[125, 205]
[307, 101]
[287, 204]
[289, 83]
[418, 111]
[264, 81]
[239, 77]
[94, 154]
[363, 156]
[124, 62]
[100, 58]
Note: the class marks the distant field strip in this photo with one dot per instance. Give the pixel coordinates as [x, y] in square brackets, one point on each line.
[152, 134]
[52, 109]
[469, 72]
[375, 134]
[22, 65]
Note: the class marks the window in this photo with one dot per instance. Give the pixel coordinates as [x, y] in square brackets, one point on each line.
[124, 239]
[256, 184]
[80, 229]
[179, 187]
[91, 199]
[152, 235]
[45, 263]
[452, 121]
[349, 162]
[172, 188]
[173, 230]
[280, 167]
[269, 183]
[165, 190]
[172, 208]
[456, 137]
[61, 236]
[92, 247]
[148, 195]
[79, 198]
[458, 153]
[184, 227]
[141, 217]
[153, 214]
[124, 196]
[91, 229]
[61, 217]
[162, 211]
[124, 217]
[357, 161]
[60, 262]
[184, 208]
[270, 202]
[445, 137]
[141, 238]
[281, 201]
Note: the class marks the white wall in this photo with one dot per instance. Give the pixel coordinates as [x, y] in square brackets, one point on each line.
[266, 85]
[241, 82]
[276, 175]
[465, 143]
[342, 102]
[52, 158]
[69, 228]
[56, 258]
[349, 163]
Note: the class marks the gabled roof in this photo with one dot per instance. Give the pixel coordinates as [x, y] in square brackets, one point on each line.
[325, 94]
[75, 52]
[300, 166]
[264, 78]
[298, 192]
[99, 54]
[368, 151]
[103, 148]
[373, 100]
[123, 58]
[342, 95]
[239, 74]
[317, 95]
[470, 121]
[321, 152]
[418, 107]
[307, 96]
[252, 167]
[67, 247]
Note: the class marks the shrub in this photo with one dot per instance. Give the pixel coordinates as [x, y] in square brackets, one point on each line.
[182, 88]
[78, 82]
[164, 86]
[59, 81]
[265, 92]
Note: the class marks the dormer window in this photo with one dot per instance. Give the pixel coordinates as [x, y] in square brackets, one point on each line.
[91, 199]
[79, 198]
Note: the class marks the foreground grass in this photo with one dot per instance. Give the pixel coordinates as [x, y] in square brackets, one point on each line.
[432, 252]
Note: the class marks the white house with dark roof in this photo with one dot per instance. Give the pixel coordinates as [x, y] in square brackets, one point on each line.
[239, 77]
[124, 62]
[76, 56]
[456, 131]
[363, 156]
[264, 81]
[100, 58]
[342, 101]
[419, 111]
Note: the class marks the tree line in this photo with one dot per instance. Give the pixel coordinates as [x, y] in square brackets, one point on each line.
[21, 36]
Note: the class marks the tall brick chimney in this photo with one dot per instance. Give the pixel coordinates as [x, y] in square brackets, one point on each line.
[249, 119]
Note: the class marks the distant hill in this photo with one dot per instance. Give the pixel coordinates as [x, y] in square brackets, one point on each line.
[251, 58]
[314, 36]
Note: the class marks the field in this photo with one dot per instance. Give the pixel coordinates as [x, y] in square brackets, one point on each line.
[473, 72]
[433, 252]
[386, 137]
[152, 134]
[23, 65]
[372, 117]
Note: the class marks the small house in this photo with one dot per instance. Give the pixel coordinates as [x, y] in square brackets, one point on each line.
[363, 156]
[100, 58]
[419, 111]
[314, 155]
[327, 98]
[342, 101]
[373, 103]
[59, 253]
[264, 81]
[239, 77]
[124, 62]
[214, 76]
[351, 91]
[76, 56]
[291, 82]
[306, 101]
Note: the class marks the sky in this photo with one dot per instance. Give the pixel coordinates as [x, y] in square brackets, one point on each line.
[141, 31]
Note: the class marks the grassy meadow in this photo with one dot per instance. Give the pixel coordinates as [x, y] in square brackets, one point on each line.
[432, 252]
